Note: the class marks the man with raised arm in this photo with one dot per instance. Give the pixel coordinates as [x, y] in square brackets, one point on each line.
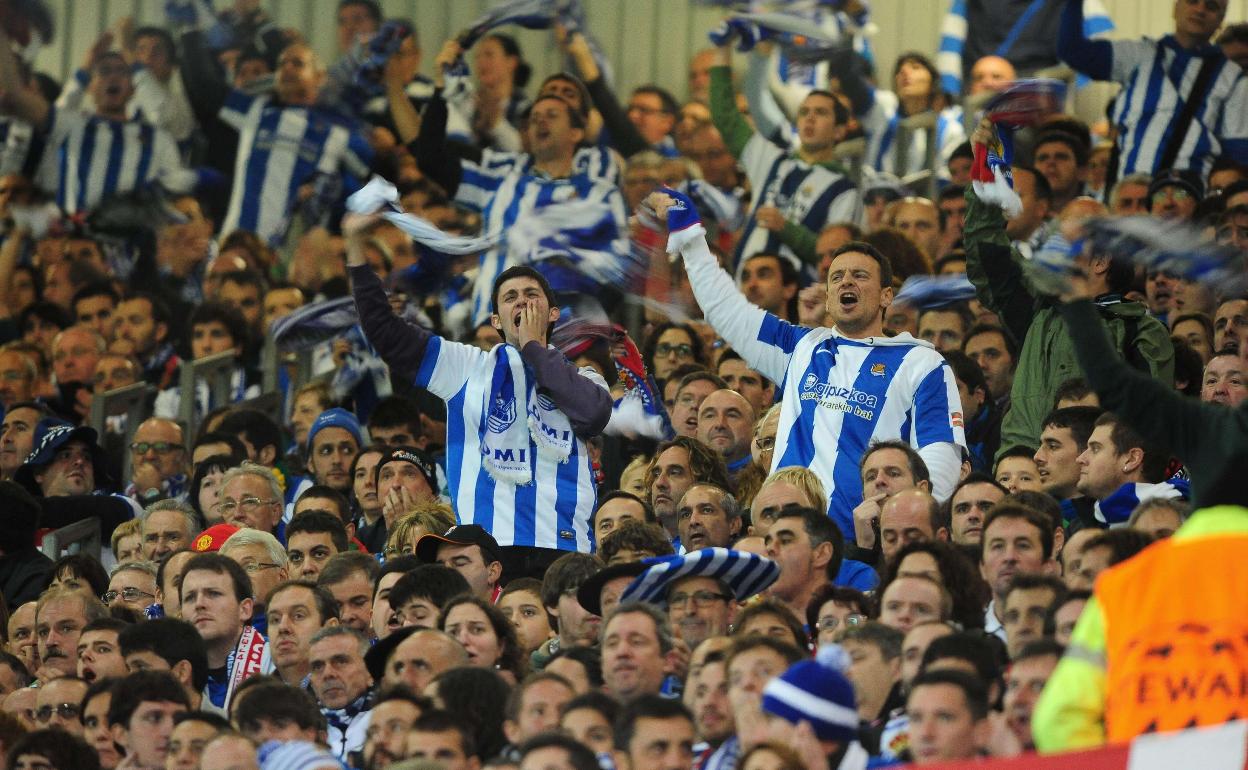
[518, 415]
[844, 387]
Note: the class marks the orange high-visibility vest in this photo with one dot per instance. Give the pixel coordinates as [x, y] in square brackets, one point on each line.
[1176, 636]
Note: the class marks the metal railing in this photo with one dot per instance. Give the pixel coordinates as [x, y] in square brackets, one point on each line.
[217, 370]
[80, 537]
[130, 401]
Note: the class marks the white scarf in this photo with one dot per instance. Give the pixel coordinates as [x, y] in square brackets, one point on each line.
[505, 439]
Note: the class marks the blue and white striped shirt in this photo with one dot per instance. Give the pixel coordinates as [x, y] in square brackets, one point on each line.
[881, 122]
[812, 196]
[838, 394]
[596, 162]
[1153, 73]
[551, 512]
[87, 157]
[279, 149]
[503, 197]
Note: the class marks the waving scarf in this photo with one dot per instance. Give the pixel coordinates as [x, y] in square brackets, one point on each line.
[573, 232]
[1024, 103]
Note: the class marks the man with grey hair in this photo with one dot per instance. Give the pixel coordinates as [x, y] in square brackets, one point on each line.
[1130, 195]
[342, 685]
[251, 498]
[266, 564]
[707, 516]
[636, 644]
[166, 526]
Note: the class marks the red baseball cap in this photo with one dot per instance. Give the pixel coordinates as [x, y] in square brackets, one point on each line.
[213, 538]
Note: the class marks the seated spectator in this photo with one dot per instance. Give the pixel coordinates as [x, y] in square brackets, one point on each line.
[296, 610]
[1029, 671]
[1016, 540]
[486, 635]
[312, 539]
[875, 670]
[1028, 602]
[341, 683]
[948, 714]
[521, 603]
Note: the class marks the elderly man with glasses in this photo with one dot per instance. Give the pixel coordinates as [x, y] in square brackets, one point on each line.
[251, 498]
[159, 460]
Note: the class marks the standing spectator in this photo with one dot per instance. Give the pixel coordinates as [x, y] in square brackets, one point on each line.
[497, 457]
[1169, 114]
[796, 195]
[69, 168]
[1047, 356]
[859, 289]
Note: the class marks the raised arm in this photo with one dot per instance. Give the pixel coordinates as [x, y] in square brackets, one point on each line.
[399, 343]
[202, 77]
[734, 128]
[1184, 425]
[992, 266]
[1094, 58]
[624, 135]
[19, 99]
[763, 340]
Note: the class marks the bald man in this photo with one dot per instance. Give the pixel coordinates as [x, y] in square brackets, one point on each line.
[909, 516]
[726, 424]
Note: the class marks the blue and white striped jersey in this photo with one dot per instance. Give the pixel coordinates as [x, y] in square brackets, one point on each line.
[880, 123]
[87, 157]
[279, 149]
[813, 196]
[838, 395]
[551, 512]
[1151, 73]
[503, 197]
[595, 161]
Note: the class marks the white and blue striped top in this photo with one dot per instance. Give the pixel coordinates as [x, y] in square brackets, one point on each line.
[838, 395]
[881, 122]
[87, 157]
[812, 196]
[551, 512]
[503, 197]
[1146, 110]
[596, 162]
[279, 149]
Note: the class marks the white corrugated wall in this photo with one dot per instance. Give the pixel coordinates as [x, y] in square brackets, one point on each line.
[647, 40]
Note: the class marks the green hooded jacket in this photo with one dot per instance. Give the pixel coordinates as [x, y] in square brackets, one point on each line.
[1047, 358]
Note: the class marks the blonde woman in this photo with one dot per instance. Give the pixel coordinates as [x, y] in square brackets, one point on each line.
[430, 517]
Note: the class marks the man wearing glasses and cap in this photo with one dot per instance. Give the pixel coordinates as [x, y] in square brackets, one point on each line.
[701, 589]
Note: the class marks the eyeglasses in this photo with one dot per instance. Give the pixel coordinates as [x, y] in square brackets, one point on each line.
[159, 447]
[65, 711]
[129, 594]
[831, 622]
[765, 442]
[701, 599]
[259, 566]
[247, 504]
[666, 349]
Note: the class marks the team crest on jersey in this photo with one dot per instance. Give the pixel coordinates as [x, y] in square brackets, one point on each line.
[502, 414]
[878, 370]
[955, 419]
